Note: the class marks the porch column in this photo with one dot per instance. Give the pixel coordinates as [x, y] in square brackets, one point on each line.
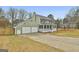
[43, 28]
[47, 28]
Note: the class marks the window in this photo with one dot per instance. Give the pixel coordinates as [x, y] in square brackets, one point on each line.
[44, 26]
[42, 21]
[46, 22]
[41, 26]
[50, 26]
[47, 26]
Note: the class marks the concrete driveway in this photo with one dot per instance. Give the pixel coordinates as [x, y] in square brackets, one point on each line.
[67, 44]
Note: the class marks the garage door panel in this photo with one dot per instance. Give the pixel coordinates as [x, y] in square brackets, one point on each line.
[34, 29]
[26, 30]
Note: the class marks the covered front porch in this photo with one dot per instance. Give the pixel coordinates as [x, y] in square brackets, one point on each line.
[46, 28]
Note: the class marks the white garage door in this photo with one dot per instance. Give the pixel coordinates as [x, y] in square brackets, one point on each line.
[29, 29]
[18, 32]
[26, 30]
[34, 29]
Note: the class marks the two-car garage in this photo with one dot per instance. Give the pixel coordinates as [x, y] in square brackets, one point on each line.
[25, 30]
[29, 29]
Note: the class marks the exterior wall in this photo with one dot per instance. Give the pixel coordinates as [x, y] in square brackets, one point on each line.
[18, 30]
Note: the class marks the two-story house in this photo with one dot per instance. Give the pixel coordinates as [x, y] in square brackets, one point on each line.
[36, 23]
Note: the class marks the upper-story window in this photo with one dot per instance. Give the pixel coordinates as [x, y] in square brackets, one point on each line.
[47, 22]
[44, 21]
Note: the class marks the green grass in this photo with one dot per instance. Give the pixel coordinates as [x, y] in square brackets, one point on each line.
[20, 44]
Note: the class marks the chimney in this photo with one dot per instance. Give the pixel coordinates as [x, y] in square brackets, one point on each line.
[34, 16]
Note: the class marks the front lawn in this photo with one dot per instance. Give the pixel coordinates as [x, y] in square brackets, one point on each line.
[67, 32]
[19, 43]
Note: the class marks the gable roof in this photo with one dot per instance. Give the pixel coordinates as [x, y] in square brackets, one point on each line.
[43, 17]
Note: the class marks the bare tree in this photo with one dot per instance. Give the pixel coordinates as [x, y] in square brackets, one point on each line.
[22, 14]
[57, 22]
[12, 15]
[72, 18]
[1, 12]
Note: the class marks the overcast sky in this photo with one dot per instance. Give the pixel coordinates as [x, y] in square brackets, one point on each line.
[57, 11]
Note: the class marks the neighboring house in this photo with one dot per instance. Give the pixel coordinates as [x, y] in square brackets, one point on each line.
[36, 23]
